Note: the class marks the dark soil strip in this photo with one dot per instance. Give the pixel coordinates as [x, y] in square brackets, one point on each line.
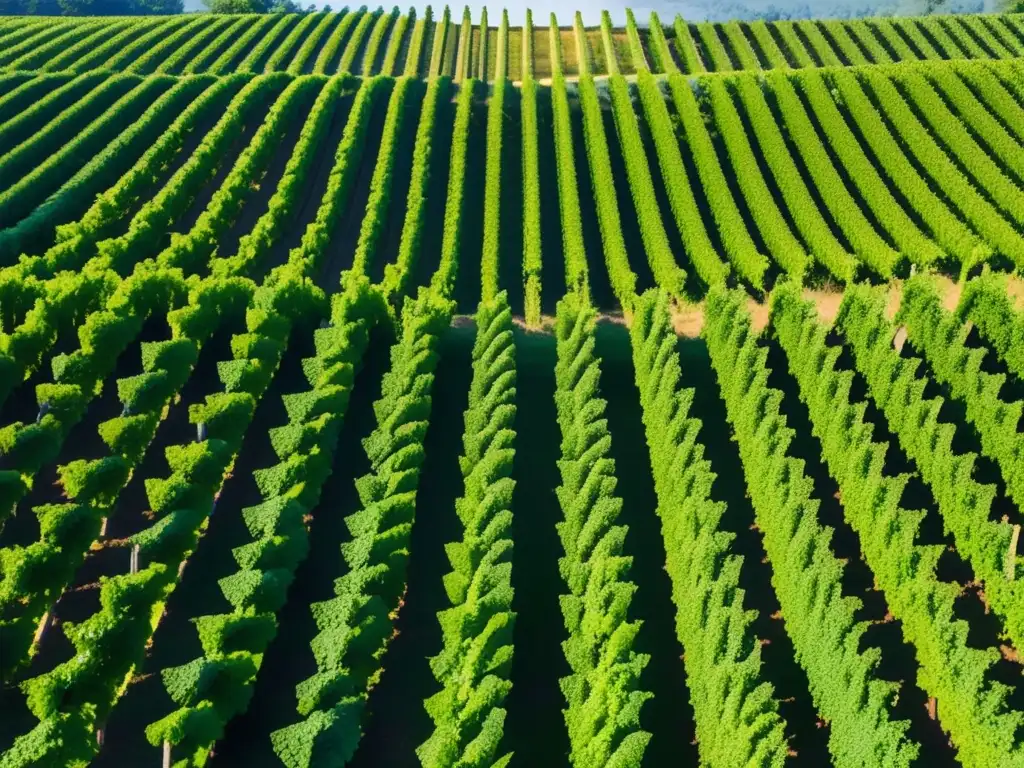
[310, 62]
[21, 404]
[467, 283]
[187, 220]
[258, 202]
[535, 728]
[783, 46]
[83, 442]
[401, 176]
[510, 253]
[552, 251]
[341, 247]
[765, 171]
[755, 46]
[82, 599]
[628, 216]
[898, 662]
[967, 439]
[289, 659]
[188, 147]
[694, 286]
[729, 172]
[176, 640]
[840, 167]
[801, 166]
[668, 716]
[429, 255]
[952, 151]
[600, 284]
[312, 192]
[872, 158]
[398, 722]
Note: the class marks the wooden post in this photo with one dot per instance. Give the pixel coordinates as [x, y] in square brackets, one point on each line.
[44, 626]
[1011, 553]
[167, 755]
[900, 338]
[103, 528]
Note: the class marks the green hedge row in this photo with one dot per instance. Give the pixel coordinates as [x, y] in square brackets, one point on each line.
[844, 681]
[972, 707]
[76, 696]
[474, 665]
[897, 387]
[603, 695]
[985, 301]
[941, 338]
[397, 275]
[355, 626]
[215, 687]
[736, 711]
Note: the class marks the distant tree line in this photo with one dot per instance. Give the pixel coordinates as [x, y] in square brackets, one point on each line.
[89, 7]
[257, 6]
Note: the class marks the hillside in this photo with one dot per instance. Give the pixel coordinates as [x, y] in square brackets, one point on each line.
[384, 390]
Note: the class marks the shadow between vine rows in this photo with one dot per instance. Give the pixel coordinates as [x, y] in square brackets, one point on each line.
[668, 716]
[535, 729]
[807, 735]
[898, 661]
[398, 721]
[552, 249]
[176, 640]
[289, 660]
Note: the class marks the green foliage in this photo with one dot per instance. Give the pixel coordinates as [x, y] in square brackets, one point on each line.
[333, 732]
[723, 657]
[532, 260]
[64, 739]
[376, 215]
[739, 247]
[342, 176]
[968, 201]
[865, 242]
[862, 173]
[775, 231]
[31, 446]
[443, 281]
[897, 388]
[491, 253]
[686, 47]
[942, 339]
[171, 537]
[973, 708]
[397, 274]
[689, 223]
[174, 356]
[98, 480]
[576, 275]
[620, 274]
[145, 392]
[355, 626]
[603, 694]
[475, 661]
[986, 303]
[225, 415]
[667, 274]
